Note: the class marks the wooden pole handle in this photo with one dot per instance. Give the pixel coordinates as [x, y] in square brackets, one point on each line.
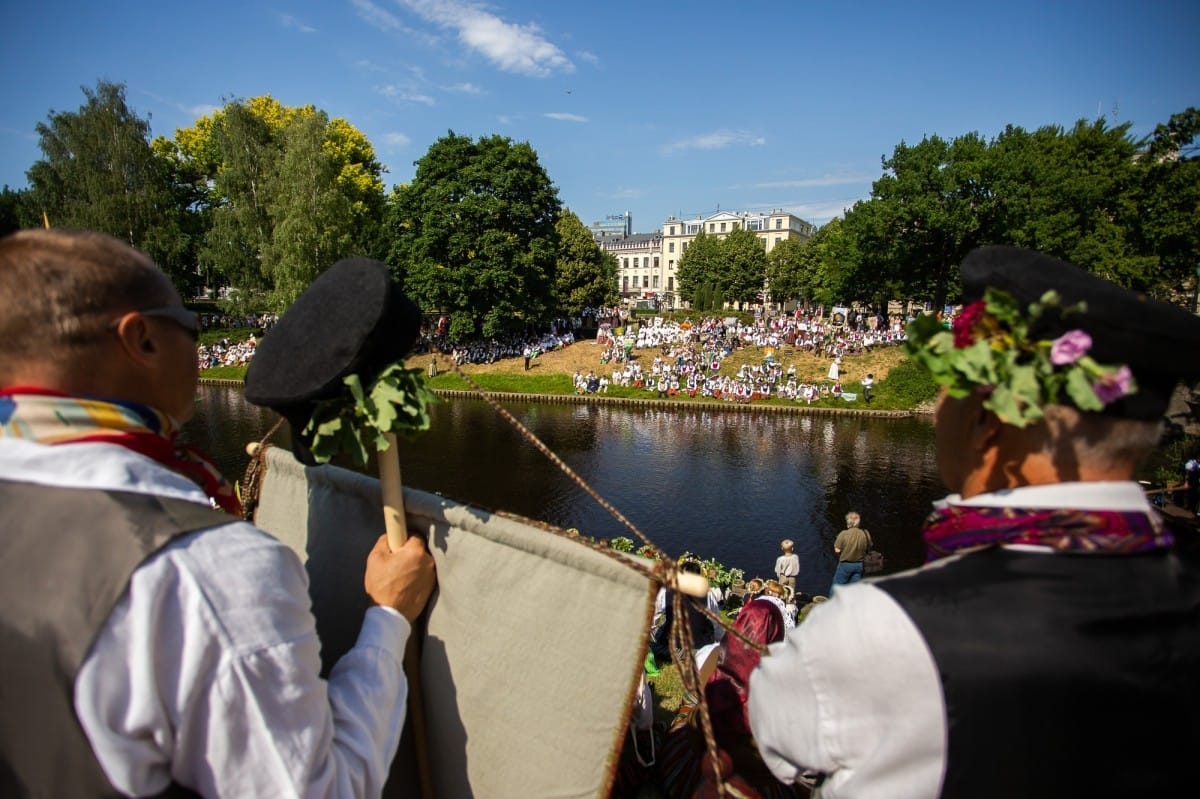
[396, 526]
[394, 522]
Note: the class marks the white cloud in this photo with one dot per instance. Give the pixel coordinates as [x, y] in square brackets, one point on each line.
[377, 17]
[504, 119]
[465, 88]
[564, 117]
[521, 49]
[288, 21]
[825, 180]
[625, 194]
[203, 110]
[405, 94]
[717, 140]
[590, 57]
[396, 141]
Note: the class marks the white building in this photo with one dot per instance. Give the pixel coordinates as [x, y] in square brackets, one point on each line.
[647, 263]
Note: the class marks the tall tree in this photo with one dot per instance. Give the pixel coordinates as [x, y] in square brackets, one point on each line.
[1169, 205]
[586, 275]
[701, 264]
[100, 172]
[286, 192]
[785, 271]
[744, 267]
[474, 234]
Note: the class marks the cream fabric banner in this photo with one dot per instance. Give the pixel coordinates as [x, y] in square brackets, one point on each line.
[534, 643]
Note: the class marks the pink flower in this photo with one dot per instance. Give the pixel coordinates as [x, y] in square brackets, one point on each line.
[1069, 347]
[1110, 388]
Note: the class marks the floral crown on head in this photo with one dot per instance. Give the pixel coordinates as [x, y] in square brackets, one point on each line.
[988, 348]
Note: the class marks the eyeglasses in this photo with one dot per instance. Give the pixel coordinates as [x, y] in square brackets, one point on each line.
[188, 320]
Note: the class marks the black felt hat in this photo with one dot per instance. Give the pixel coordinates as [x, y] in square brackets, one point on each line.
[353, 319]
[1160, 343]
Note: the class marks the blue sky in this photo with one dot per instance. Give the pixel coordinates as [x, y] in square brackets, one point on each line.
[654, 108]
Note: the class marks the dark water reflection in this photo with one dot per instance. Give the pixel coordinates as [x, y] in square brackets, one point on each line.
[728, 485]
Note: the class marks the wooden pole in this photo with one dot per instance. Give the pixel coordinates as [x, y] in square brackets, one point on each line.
[396, 527]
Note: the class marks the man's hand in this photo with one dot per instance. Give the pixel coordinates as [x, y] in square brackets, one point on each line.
[403, 579]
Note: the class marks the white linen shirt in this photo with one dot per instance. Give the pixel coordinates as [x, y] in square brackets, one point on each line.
[854, 692]
[207, 672]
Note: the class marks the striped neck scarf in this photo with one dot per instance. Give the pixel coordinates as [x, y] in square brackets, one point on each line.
[53, 418]
[956, 527]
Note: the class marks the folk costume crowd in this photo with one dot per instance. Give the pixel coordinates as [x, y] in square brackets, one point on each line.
[154, 641]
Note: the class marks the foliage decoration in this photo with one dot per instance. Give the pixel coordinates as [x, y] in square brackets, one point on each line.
[357, 421]
[989, 349]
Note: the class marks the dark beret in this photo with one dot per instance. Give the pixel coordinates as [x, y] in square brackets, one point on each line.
[353, 319]
[1159, 342]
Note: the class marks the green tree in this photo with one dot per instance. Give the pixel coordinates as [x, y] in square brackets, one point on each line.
[923, 217]
[313, 223]
[586, 275]
[284, 191]
[474, 234]
[785, 271]
[16, 211]
[700, 264]
[829, 265]
[99, 172]
[1169, 205]
[744, 267]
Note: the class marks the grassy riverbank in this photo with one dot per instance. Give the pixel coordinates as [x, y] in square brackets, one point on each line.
[899, 385]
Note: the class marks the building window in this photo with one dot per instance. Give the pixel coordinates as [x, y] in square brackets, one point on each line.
[712, 228]
[624, 263]
[685, 244]
[671, 247]
[672, 230]
[671, 264]
[778, 224]
[625, 284]
[778, 239]
[635, 281]
[722, 227]
[656, 281]
[656, 262]
[670, 284]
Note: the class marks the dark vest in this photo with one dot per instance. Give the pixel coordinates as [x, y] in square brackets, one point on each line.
[66, 556]
[1064, 675]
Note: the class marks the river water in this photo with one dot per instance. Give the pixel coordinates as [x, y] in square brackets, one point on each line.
[723, 484]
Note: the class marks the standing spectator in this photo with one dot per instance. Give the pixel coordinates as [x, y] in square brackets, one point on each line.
[851, 546]
[787, 565]
[868, 383]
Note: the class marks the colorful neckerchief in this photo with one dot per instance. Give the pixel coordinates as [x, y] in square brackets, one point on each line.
[955, 527]
[50, 417]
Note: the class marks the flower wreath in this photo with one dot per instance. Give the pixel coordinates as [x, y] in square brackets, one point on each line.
[988, 348]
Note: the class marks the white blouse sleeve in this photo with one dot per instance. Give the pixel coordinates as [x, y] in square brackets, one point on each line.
[853, 693]
[207, 673]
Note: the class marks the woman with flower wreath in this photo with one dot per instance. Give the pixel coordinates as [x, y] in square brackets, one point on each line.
[1051, 646]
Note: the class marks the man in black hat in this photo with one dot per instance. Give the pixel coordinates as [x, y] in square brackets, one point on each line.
[150, 640]
[1051, 648]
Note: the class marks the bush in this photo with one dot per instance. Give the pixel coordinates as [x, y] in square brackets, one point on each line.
[907, 385]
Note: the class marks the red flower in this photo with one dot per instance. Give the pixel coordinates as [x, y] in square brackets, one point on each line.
[964, 324]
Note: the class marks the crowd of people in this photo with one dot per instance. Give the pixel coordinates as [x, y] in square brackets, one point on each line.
[155, 642]
[226, 353]
[688, 356]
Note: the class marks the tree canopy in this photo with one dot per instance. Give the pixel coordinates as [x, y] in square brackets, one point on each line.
[474, 234]
[286, 192]
[99, 172]
[586, 275]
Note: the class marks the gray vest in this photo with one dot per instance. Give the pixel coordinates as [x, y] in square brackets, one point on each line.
[66, 556]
